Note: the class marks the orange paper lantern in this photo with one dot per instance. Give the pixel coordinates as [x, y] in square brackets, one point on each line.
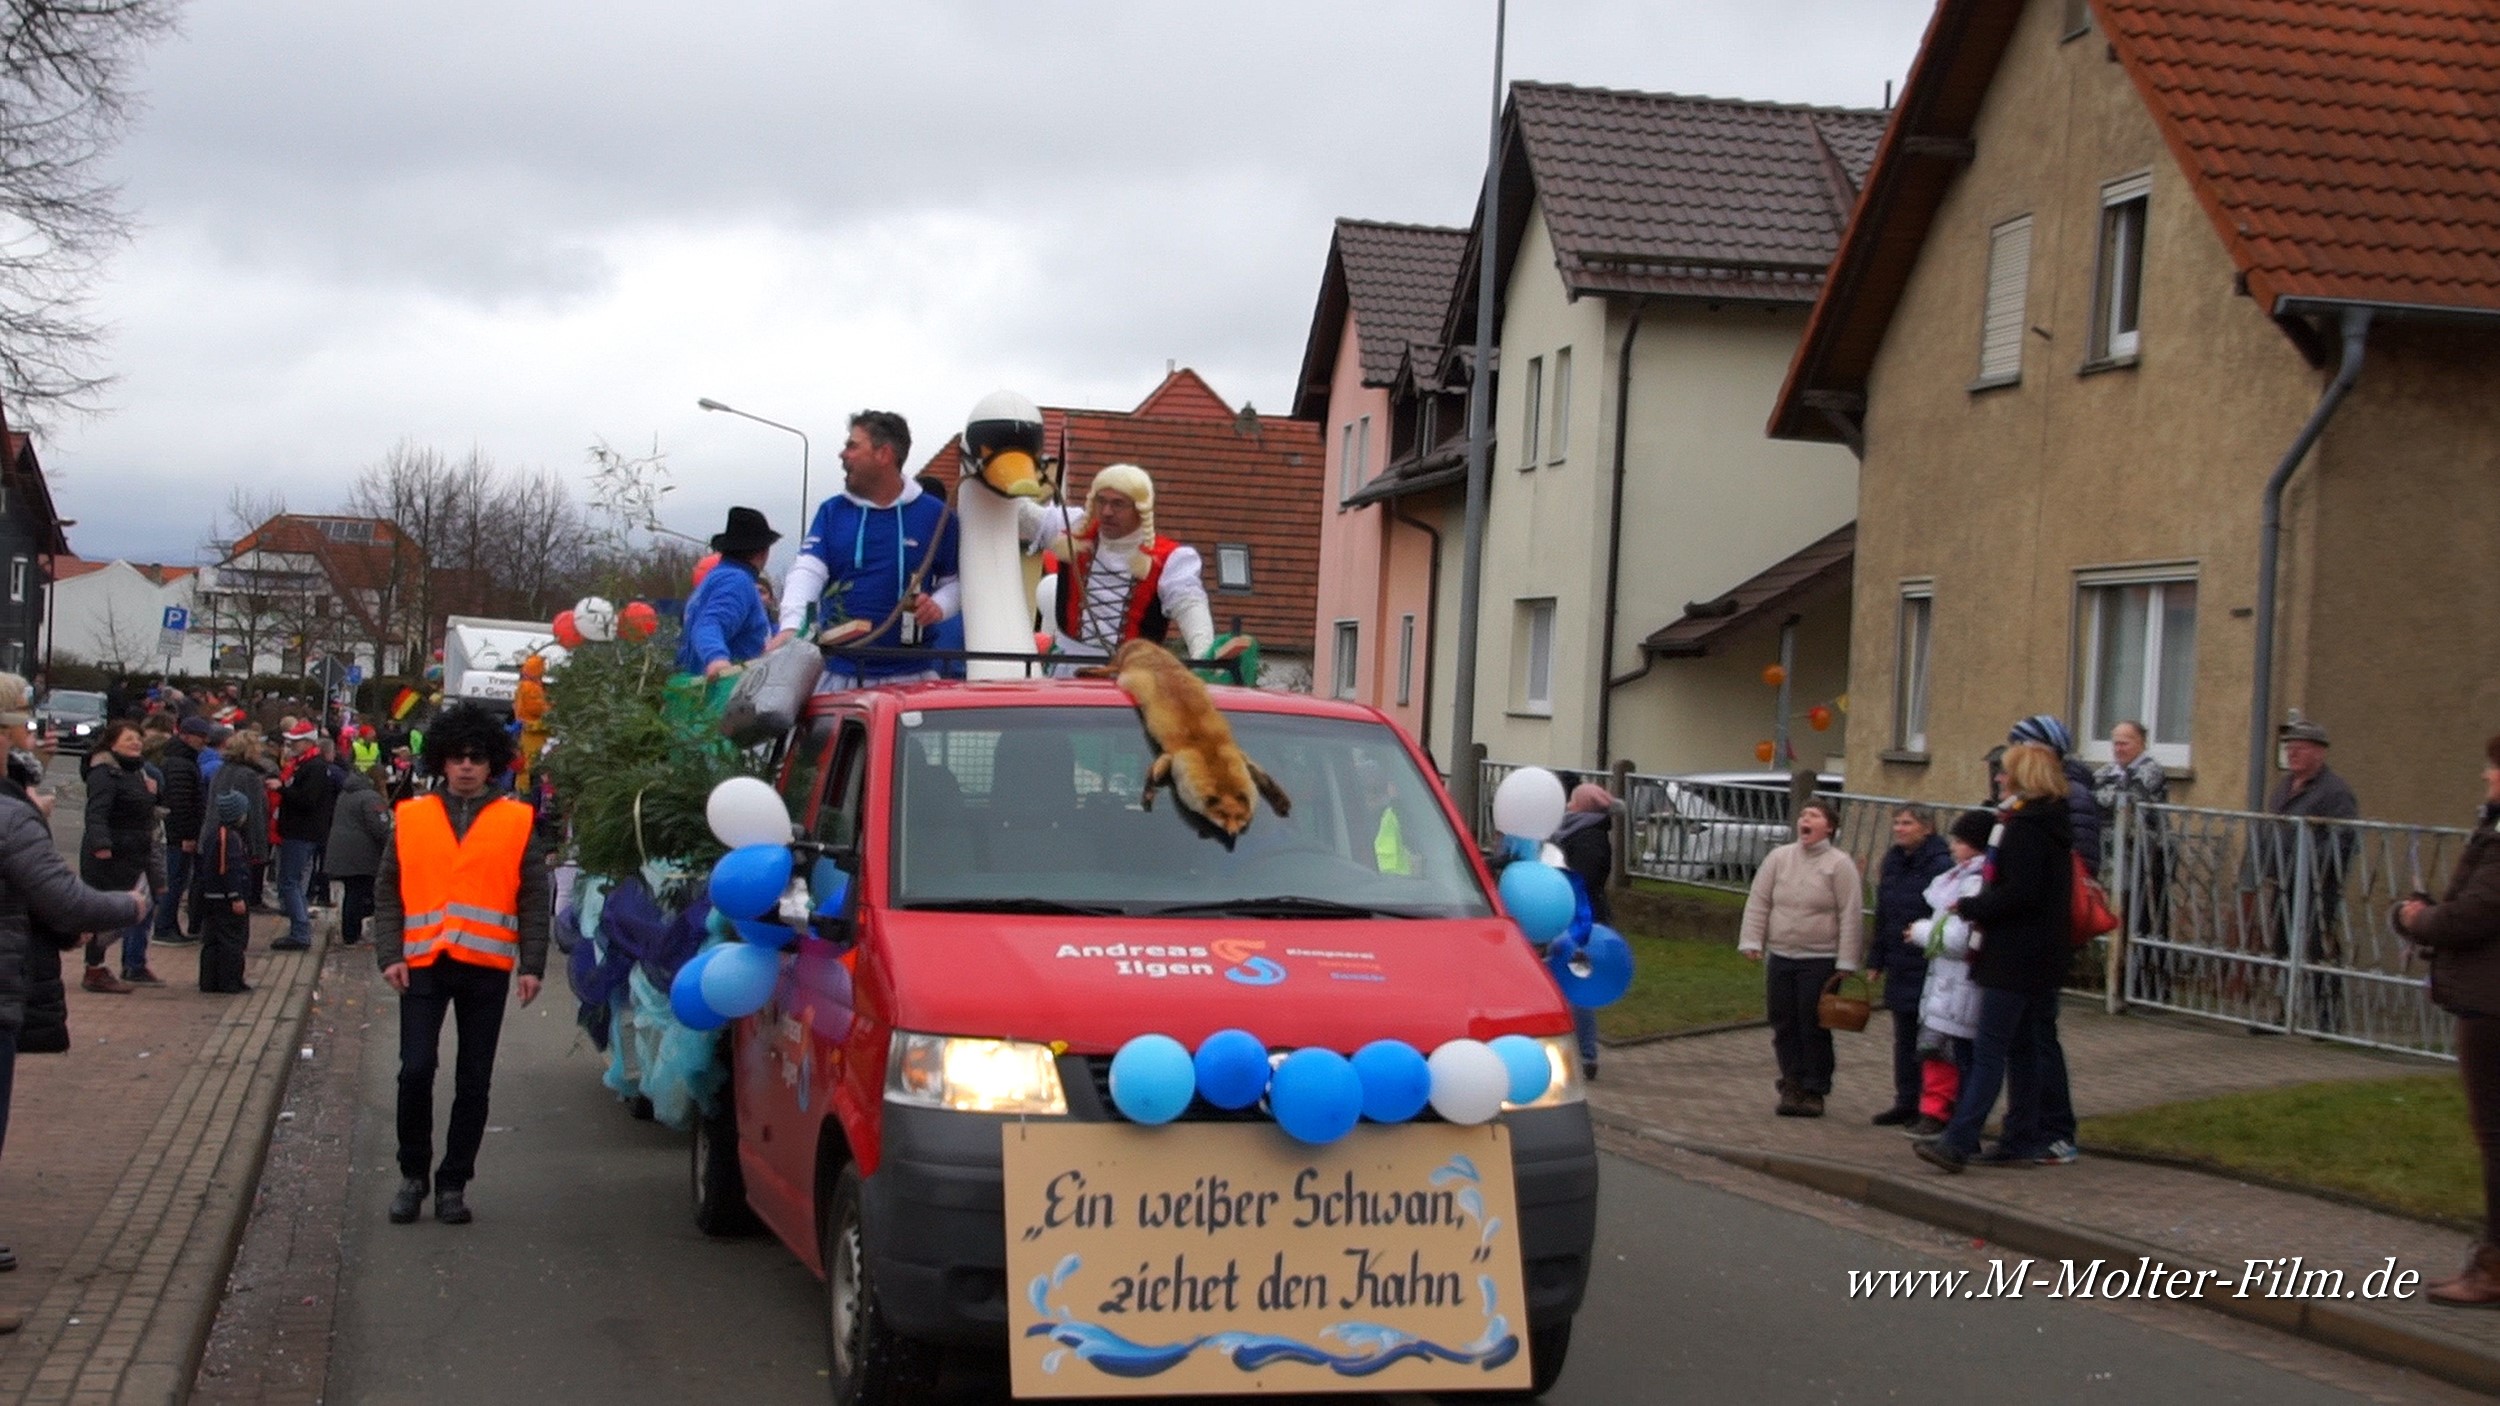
[568, 634]
[637, 621]
[703, 566]
[1819, 718]
[1773, 676]
[1764, 751]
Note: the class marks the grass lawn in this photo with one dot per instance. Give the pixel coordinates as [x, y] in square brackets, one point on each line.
[2401, 1144]
[1679, 983]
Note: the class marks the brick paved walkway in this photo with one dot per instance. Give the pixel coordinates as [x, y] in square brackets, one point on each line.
[1718, 1091]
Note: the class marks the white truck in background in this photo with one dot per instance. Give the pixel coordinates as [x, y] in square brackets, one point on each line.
[482, 657]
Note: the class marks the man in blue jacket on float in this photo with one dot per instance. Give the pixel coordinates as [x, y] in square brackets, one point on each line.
[725, 624]
[877, 566]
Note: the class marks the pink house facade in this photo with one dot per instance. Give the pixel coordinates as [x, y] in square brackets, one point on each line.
[1383, 297]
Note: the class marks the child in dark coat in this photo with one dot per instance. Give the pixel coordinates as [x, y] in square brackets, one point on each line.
[225, 865]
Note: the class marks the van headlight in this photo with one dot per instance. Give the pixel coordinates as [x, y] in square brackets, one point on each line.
[973, 1076]
[1562, 1056]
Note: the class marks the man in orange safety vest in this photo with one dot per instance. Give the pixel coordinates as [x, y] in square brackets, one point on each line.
[460, 905]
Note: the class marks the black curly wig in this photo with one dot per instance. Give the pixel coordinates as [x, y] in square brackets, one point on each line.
[467, 727]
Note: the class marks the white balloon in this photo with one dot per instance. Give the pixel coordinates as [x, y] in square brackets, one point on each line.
[1528, 803]
[596, 619]
[1469, 1081]
[1551, 855]
[745, 811]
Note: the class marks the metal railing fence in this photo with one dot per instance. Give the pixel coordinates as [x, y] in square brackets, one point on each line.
[2272, 922]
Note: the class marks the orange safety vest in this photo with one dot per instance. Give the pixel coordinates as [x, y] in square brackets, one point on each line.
[461, 895]
[1144, 620]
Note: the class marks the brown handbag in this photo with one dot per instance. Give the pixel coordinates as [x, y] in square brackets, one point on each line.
[1838, 1010]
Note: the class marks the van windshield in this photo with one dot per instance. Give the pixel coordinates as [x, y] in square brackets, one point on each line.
[1037, 809]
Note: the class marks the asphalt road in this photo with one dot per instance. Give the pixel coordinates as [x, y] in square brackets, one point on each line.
[584, 1280]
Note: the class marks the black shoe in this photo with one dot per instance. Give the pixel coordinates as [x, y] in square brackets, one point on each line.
[1933, 1152]
[173, 939]
[1895, 1117]
[641, 1108]
[1588, 1071]
[290, 944]
[406, 1200]
[451, 1207]
[1924, 1127]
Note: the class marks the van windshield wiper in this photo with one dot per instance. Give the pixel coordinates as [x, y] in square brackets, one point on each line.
[1283, 905]
[1015, 905]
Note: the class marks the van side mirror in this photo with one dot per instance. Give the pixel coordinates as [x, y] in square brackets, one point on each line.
[834, 883]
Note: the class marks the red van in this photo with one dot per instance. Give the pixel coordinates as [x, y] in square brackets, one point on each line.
[1014, 916]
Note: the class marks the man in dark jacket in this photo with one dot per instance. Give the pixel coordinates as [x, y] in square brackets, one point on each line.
[1918, 854]
[354, 855]
[303, 816]
[185, 801]
[2310, 789]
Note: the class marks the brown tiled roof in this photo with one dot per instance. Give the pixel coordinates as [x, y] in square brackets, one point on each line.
[1184, 395]
[2341, 150]
[350, 566]
[1395, 281]
[1681, 197]
[2344, 151]
[1776, 589]
[1256, 480]
[71, 568]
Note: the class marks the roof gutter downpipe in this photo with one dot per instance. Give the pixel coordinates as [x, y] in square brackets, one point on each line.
[2261, 703]
[1606, 680]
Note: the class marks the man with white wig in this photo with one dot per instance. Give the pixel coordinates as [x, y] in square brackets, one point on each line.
[1117, 580]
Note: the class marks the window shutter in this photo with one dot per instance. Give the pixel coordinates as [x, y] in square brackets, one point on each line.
[2009, 276]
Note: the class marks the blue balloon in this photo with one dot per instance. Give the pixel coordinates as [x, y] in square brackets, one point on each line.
[764, 933]
[1539, 899]
[748, 881]
[1598, 973]
[1396, 1080]
[831, 886]
[1232, 1069]
[685, 994]
[1316, 1096]
[740, 979]
[1530, 1073]
[1152, 1079]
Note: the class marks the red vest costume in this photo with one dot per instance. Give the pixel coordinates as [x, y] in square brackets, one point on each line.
[1144, 621]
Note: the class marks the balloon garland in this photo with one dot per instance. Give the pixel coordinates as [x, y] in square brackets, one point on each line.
[1591, 962]
[1317, 1095]
[760, 898]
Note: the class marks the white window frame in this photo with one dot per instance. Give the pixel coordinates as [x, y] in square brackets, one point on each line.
[1531, 420]
[2092, 740]
[1362, 451]
[1406, 659]
[1346, 482]
[1559, 445]
[2118, 301]
[1345, 662]
[17, 579]
[1536, 656]
[2004, 316]
[1913, 665]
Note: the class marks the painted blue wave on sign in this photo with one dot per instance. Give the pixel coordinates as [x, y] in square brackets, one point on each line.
[1370, 1347]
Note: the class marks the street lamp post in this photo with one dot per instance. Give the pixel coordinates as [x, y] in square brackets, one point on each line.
[707, 403]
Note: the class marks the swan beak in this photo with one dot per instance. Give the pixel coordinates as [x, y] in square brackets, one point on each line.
[1013, 473]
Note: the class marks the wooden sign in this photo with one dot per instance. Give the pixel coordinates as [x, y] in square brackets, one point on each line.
[1226, 1257]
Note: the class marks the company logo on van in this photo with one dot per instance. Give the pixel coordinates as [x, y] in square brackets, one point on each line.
[1247, 969]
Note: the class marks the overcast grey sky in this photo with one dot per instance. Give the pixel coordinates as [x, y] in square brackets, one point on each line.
[520, 225]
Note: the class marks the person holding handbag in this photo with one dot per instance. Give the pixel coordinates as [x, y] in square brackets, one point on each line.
[2461, 932]
[1804, 921]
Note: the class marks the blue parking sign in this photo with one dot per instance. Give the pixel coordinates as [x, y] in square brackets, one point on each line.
[177, 618]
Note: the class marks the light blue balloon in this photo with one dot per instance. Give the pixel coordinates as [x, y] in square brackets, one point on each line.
[1598, 973]
[765, 933]
[1397, 1082]
[831, 886]
[1519, 847]
[1539, 900]
[1232, 1069]
[685, 994]
[1152, 1079]
[740, 979]
[748, 881]
[1316, 1096]
[1530, 1074]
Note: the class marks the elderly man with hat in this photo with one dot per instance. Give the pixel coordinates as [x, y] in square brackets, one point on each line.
[1118, 580]
[2311, 790]
[305, 801]
[725, 624]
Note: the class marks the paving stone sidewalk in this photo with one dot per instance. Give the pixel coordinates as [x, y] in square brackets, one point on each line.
[1716, 1092]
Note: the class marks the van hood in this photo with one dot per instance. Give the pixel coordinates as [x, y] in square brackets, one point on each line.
[1096, 982]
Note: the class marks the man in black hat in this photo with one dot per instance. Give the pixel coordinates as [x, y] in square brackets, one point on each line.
[725, 621]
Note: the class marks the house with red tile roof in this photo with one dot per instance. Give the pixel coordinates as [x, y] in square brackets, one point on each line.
[1657, 254]
[1241, 487]
[2168, 333]
[305, 585]
[1384, 294]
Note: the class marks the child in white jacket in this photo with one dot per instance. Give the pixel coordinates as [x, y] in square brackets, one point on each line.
[1948, 1006]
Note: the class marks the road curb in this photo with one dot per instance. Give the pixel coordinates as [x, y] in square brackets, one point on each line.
[2360, 1330]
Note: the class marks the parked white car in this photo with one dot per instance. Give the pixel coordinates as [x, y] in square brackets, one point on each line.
[1714, 826]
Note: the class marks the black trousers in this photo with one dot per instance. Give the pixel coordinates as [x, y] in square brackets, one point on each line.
[1793, 986]
[355, 905]
[2478, 1060]
[1906, 1074]
[223, 933]
[473, 997]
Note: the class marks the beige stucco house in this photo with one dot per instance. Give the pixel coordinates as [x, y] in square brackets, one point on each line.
[2095, 298]
[1661, 253]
